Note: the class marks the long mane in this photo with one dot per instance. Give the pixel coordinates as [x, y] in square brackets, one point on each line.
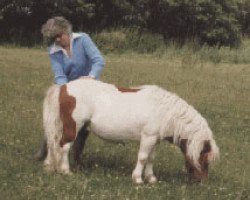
[181, 122]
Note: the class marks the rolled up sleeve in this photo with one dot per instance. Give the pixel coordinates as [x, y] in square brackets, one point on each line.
[59, 75]
[92, 52]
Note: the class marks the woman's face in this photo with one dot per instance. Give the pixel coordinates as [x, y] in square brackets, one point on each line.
[63, 40]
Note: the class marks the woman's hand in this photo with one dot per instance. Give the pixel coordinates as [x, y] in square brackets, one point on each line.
[87, 77]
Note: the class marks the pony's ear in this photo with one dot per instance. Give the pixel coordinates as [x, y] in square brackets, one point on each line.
[206, 148]
[183, 146]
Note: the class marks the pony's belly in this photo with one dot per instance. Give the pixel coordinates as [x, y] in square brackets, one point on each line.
[120, 118]
[112, 131]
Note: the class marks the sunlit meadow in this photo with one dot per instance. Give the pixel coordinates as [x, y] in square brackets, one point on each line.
[216, 82]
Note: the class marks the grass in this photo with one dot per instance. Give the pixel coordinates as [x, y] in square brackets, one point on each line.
[219, 90]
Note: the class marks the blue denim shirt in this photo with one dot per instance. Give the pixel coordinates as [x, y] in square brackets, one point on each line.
[85, 60]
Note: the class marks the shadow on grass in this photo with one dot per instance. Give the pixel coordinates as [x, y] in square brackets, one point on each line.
[121, 165]
[108, 162]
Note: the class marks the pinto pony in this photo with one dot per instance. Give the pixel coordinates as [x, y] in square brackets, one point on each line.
[146, 114]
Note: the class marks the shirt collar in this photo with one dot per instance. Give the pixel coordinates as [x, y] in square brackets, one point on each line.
[55, 48]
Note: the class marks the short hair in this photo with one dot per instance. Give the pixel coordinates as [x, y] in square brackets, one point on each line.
[54, 26]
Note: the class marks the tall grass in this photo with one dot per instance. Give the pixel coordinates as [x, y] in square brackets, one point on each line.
[135, 40]
[123, 40]
[219, 90]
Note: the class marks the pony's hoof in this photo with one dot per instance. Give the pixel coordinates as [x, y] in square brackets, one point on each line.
[66, 172]
[137, 180]
[151, 179]
[48, 168]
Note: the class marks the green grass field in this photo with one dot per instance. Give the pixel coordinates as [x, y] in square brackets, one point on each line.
[216, 83]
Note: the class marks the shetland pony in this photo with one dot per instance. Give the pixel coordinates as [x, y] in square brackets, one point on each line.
[147, 114]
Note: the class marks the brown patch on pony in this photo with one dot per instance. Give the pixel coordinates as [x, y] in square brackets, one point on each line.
[128, 89]
[195, 174]
[203, 160]
[67, 105]
[191, 169]
[189, 166]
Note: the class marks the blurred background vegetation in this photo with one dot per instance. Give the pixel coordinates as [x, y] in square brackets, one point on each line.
[143, 22]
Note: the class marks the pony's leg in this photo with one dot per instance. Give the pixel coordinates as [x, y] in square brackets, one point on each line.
[64, 164]
[149, 174]
[57, 158]
[78, 145]
[146, 146]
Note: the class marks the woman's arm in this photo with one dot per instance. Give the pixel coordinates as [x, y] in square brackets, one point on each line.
[59, 75]
[97, 61]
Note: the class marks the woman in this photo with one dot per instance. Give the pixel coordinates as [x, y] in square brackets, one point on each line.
[72, 56]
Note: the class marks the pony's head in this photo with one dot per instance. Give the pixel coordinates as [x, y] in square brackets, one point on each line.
[197, 167]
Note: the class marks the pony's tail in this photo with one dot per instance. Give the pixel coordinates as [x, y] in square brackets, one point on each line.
[51, 116]
[49, 106]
